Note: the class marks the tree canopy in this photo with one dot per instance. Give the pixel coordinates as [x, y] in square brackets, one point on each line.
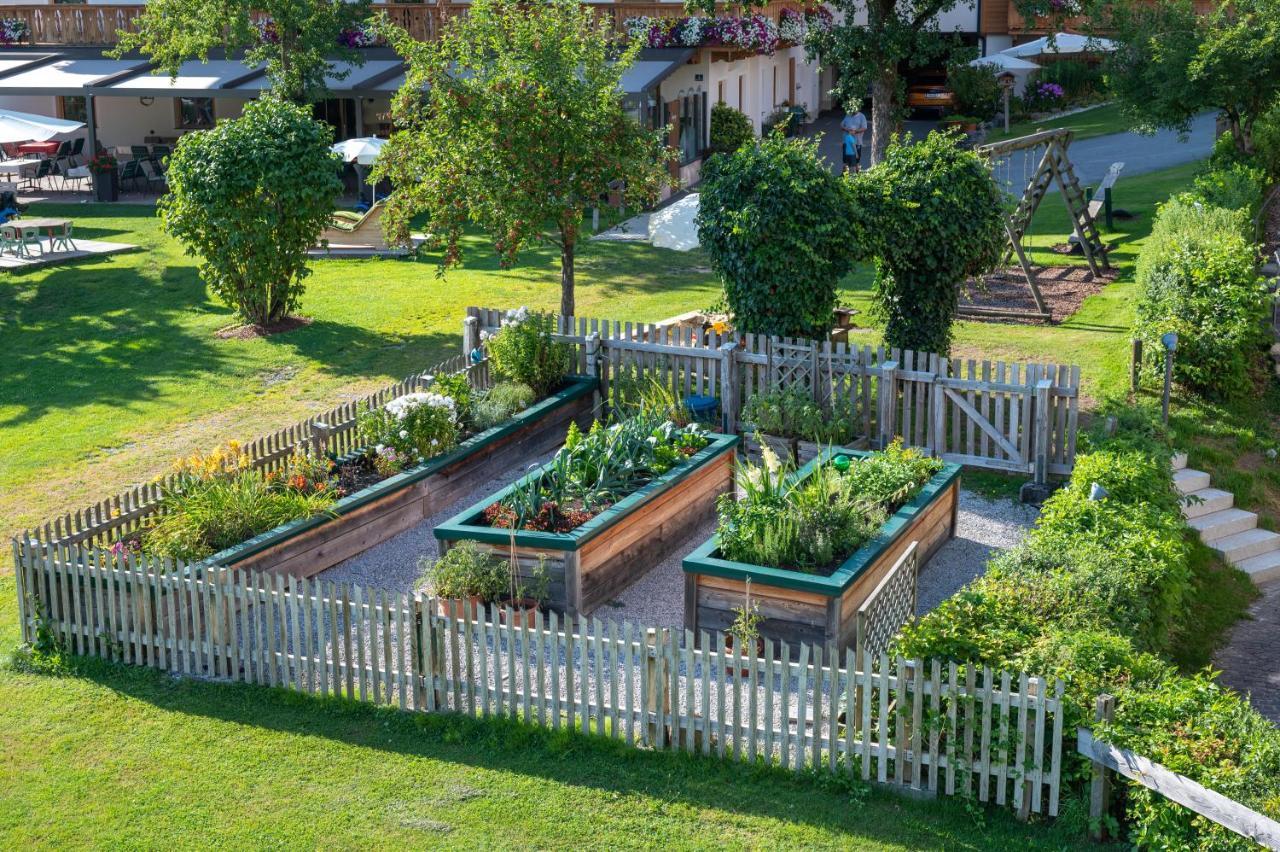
[299, 40]
[512, 120]
[777, 227]
[249, 198]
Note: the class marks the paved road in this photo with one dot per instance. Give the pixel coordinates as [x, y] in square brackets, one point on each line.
[1249, 661]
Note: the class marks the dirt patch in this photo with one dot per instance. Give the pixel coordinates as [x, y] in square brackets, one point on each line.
[1064, 289]
[250, 332]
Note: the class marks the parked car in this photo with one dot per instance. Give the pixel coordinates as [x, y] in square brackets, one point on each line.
[929, 91]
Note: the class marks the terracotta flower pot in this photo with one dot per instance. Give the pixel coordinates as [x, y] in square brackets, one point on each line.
[524, 612]
[456, 608]
[728, 648]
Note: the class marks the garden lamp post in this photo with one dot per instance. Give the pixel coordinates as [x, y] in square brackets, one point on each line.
[1007, 82]
[1170, 341]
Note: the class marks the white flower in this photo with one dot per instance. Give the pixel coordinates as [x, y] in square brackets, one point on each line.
[484, 335]
[400, 407]
[653, 442]
[379, 448]
[404, 434]
[434, 442]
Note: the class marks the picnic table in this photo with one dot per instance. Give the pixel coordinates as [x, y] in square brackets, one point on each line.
[58, 230]
[17, 167]
[47, 149]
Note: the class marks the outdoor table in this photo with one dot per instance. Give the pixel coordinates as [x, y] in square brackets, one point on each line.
[48, 149]
[49, 225]
[16, 167]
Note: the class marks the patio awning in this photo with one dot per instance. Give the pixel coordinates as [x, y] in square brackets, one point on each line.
[23, 126]
[653, 66]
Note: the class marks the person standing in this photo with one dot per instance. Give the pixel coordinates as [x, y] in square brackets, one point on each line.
[854, 124]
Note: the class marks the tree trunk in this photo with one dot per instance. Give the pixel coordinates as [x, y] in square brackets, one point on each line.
[883, 89]
[566, 277]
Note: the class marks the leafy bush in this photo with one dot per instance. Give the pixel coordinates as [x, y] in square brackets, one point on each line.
[1079, 80]
[249, 198]
[776, 227]
[934, 217]
[977, 90]
[410, 428]
[467, 571]
[1198, 278]
[790, 412]
[593, 471]
[500, 403]
[892, 476]
[523, 351]
[730, 129]
[1233, 186]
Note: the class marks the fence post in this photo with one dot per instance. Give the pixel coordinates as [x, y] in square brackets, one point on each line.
[886, 401]
[320, 433]
[729, 386]
[591, 352]
[937, 408]
[1135, 366]
[470, 335]
[1041, 467]
[1100, 787]
[659, 699]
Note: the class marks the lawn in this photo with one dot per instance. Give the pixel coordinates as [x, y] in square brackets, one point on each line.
[133, 758]
[113, 366]
[1095, 121]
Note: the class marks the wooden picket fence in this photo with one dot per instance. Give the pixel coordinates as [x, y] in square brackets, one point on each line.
[1020, 418]
[928, 725]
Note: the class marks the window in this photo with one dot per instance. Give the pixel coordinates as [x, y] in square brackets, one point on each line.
[73, 108]
[193, 113]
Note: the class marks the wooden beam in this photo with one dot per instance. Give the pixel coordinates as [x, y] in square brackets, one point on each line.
[1178, 788]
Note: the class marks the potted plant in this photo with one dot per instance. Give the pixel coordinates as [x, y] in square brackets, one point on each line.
[527, 594]
[967, 123]
[744, 632]
[464, 578]
[106, 183]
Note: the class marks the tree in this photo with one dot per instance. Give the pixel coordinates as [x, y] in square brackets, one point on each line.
[513, 120]
[779, 231]
[299, 40]
[1172, 64]
[868, 55]
[934, 218]
[249, 198]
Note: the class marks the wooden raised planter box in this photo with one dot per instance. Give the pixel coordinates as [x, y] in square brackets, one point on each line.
[592, 564]
[800, 607]
[372, 515]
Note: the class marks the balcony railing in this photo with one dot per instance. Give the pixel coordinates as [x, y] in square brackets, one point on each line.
[1043, 26]
[83, 25]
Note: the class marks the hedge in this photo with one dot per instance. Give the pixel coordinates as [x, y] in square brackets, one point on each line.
[1095, 596]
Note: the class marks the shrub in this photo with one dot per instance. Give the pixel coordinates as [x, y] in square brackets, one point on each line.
[730, 129]
[790, 412]
[977, 90]
[1198, 278]
[412, 427]
[1078, 80]
[523, 351]
[1233, 186]
[500, 403]
[467, 571]
[934, 217]
[892, 476]
[249, 198]
[776, 227]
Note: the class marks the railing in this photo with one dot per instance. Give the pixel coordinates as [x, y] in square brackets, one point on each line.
[1046, 25]
[926, 725]
[90, 25]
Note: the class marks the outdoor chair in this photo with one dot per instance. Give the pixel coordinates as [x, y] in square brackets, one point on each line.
[77, 149]
[151, 174]
[131, 171]
[20, 238]
[44, 169]
[77, 174]
[63, 239]
[139, 152]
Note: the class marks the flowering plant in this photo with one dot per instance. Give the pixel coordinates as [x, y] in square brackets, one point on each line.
[409, 429]
[13, 30]
[102, 162]
[754, 32]
[359, 35]
[1050, 91]
[793, 26]
[524, 351]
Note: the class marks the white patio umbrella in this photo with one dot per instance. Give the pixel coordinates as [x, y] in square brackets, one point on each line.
[362, 151]
[27, 127]
[1062, 44]
[1003, 63]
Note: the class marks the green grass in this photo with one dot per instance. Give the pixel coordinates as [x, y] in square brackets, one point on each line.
[108, 755]
[1095, 121]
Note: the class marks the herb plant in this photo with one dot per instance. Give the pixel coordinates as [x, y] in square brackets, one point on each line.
[791, 412]
[523, 351]
[466, 571]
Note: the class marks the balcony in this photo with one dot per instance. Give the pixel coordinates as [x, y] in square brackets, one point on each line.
[1018, 26]
[94, 26]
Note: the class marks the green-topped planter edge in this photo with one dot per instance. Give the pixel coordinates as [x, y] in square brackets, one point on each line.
[713, 585]
[593, 563]
[371, 515]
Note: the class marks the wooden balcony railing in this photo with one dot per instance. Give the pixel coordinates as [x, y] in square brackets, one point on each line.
[83, 25]
[1044, 26]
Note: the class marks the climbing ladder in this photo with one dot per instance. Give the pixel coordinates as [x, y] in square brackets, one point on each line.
[1232, 532]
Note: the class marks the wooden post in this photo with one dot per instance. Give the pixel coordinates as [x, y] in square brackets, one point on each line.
[937, 409]
[729, 386]
[1135, 364]
[886, 401]
[659, 707]
[320, 433]
[591, 350]
[1100, 786]
[470, 335]
[1041, 467]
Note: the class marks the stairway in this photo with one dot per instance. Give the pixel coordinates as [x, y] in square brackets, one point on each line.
[1232, 532]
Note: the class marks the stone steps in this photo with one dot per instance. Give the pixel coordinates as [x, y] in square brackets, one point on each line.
[1232, 532]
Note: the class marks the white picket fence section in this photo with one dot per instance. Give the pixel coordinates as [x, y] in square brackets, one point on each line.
[928, 725]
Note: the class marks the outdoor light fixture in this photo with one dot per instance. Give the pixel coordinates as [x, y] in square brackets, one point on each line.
[1170, 341]
[1097, 492]
[146, 100]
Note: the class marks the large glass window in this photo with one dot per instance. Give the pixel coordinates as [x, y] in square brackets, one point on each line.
[193, 113]
[73, 108]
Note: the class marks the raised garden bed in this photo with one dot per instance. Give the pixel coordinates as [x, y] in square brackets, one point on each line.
[375, 513]
[803, 607]
[593, 563]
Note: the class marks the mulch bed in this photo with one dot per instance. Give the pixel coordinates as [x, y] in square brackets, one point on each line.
[250, 332]
[1064, 289]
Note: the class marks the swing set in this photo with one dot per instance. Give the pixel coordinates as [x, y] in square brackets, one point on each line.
[1048, 151]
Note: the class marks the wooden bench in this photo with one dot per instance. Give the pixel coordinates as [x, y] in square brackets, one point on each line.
[364, 232]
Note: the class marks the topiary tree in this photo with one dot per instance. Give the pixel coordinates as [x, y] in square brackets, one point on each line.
[777, 227]
[934, 218]
[249, 198]
[730, 129]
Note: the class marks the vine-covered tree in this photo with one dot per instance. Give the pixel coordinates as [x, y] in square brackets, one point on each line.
[934, 218]
[249, 198]
[512, 120]
[779, 231]
[299, 40]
